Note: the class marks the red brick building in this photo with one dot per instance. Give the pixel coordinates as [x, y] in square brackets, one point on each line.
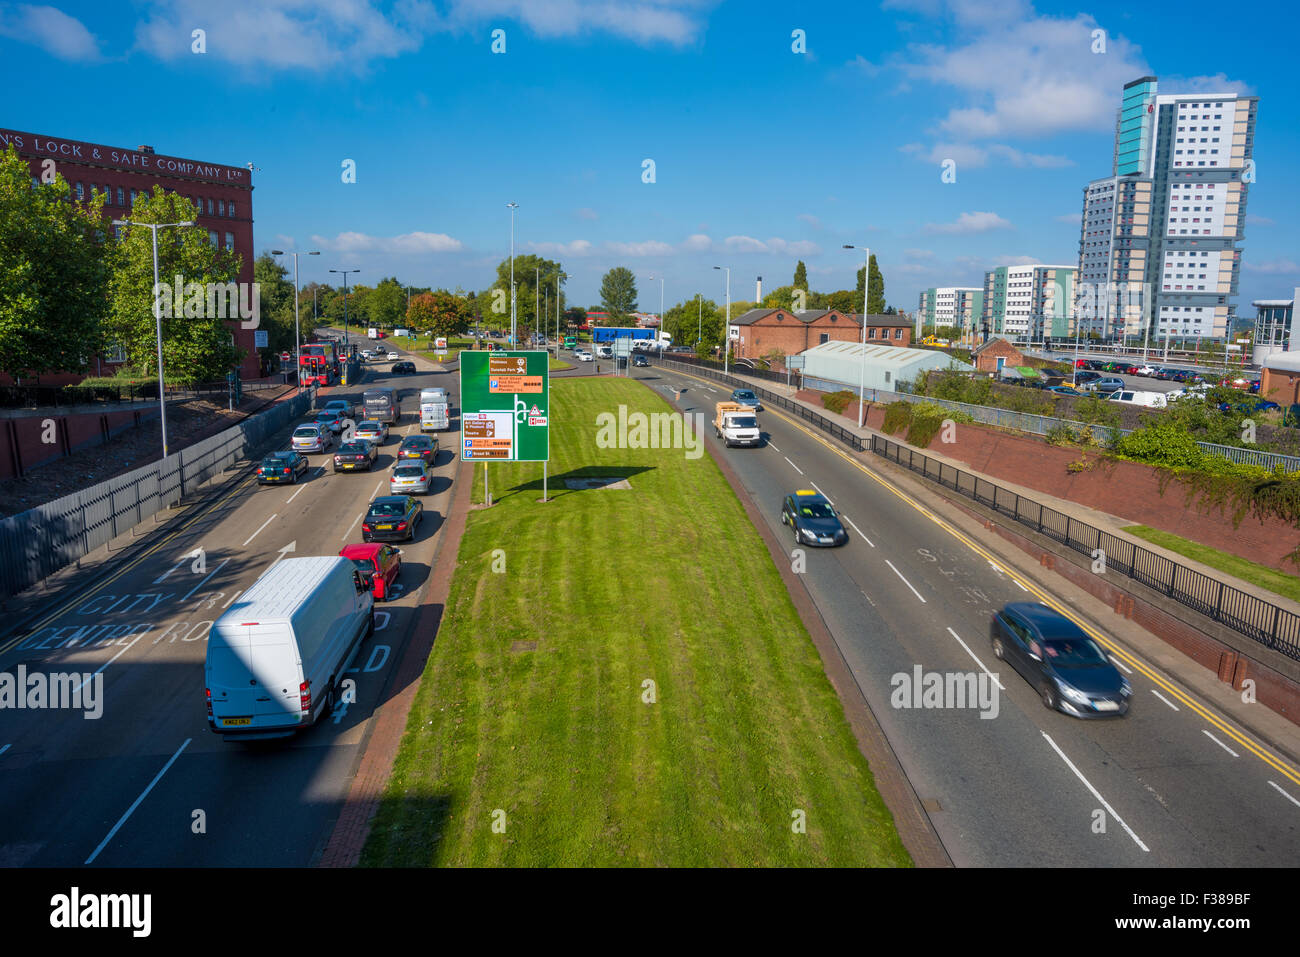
[1280, 382]
[764, 330]
[222, 194]
[987, 355]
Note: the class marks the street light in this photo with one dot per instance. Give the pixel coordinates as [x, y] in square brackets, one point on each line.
[661, 304]
[345, 272]
[297, 333]
[513, 207]
[726, 330]
[866, 283]
[157, 314]
[537, 295]
[558, 277]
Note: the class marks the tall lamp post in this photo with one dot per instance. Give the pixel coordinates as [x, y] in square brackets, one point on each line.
[297, 332]
[345, 299]
[726, 329]
[661, 305]
[558, 277]
[699, 319]
[513, 207]
[866, 292]
[157, 314]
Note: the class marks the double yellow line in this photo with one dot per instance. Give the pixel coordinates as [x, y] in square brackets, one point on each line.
[1249, 744]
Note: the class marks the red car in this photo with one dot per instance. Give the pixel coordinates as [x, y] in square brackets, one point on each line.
[384, 562]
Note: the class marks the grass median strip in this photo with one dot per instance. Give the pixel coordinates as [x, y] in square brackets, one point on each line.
[1264, 576]
[533, 710]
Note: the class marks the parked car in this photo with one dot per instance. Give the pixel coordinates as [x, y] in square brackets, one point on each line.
[1249, 403]
[1082, 378]
[1071, 672]
[391, 517]
[382, 564]
[1149, 400]
[1106, 385]
[812, 519]
[423, 447]
[1144, 370]
[281, 467]
[403, 368]
[410, 477]
[1064, 390]
[355, 456]
[312, 438]
[372, 431]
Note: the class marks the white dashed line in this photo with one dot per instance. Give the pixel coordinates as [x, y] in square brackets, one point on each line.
[904, 580]
[977, 661]
[163, 577]
[1275, 787]
[348, 533]
[1123, 667]
[1164, 699]
[773, 445]
[1095, 793]
[1022, 587]
[254, 535]
[295, 494]
[792, 465]
[823, 494]
[144, 794]
[1220, 743]
[858, 530]
[210, 574]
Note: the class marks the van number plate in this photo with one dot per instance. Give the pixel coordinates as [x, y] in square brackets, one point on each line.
[234, 722]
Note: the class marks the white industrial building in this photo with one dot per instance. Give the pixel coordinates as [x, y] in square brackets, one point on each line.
[840, 365]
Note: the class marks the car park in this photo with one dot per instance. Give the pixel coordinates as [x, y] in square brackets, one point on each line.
[403, 368]
[280, 468]
[1070, 671]
[372, 431]
[1106, 385]
[747, 397]
[1150, 400]
[423, 447]
[410, 477]
[355, 456]
[381, 563]
[312, 438]
[1144, 370]
[812, 519]
[392, 518]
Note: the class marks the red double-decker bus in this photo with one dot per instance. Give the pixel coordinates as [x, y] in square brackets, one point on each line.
[320, 364]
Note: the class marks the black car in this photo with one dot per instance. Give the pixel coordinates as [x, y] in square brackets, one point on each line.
[355, 455]
[391, 518]
[812, 519]
[418, 447]
[1085, 376]
[403, 368]
[640, 360]
[280, 468]
[1070, 670]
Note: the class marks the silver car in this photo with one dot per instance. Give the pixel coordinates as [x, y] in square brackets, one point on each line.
[410, 476]
[372, 431]
[312, 438]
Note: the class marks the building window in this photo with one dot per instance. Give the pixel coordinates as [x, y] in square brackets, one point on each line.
[230, 240]
[221, 208]
[898, 333]
[114, 352]
[81, 191]
[823, 337]
[209, 205]
[871, 333]
[212, 237]
[230, 209]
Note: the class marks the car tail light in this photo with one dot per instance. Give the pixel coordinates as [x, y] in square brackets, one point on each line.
[259, 471]
[365, 527]
[286, 471]
[208, 692]
[401, 525]
[304, 698]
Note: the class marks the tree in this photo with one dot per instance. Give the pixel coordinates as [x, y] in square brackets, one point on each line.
[575, 316]
[618, 293]
[530, 270]
[441, 313]
[875, 304]
[277, 304]
[197, 345]
[386, 303]
[779, 298]
[53, 273]
[801, 276]
[840, 300]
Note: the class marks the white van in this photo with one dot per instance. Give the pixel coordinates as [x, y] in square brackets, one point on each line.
[434, 410]
[277, 656]
[372, 333]
[1150, 400]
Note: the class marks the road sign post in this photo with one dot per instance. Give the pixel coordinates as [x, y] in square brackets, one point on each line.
[505, 409]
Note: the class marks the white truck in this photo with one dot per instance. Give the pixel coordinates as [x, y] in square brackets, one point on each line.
[276, 660]
[736, 424]
[435, 410]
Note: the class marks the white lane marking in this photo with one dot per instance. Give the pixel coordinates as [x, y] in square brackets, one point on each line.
[1220, 743]
[110, 661]
[858, 530]
[773, 445]
[163, 577]
[823, 494]
[143, 795]
[1095, 793]
[977, 660]
[904, 580]
[260, 527]
[296, 494]
[1278, 789]
[205, 578]
[231, 600]
[348, 533]
[792, 465]
[995, 568]
[1126, 669]
[6, 748]
[381, 482]
[1022, 587]
[1164, 699]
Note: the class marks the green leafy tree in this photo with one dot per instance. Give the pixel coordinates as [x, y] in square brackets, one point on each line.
[840, 300]
[531, 274]
[780, 298]
[801, 276]
[618, 293]
[195, 347]
[53, 274]
[386, 303]
[441, 313]
[277, 304]
[875, 304]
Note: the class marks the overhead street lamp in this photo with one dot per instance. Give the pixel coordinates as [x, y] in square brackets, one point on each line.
[726, 329]
[157, 314]
[866, 284]
[345, 272]
[513, 207]
[297, 333]
[558, 277]
[661, 304]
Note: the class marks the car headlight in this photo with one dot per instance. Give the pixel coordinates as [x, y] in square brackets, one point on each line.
[808, 534]
[1125, 688]
[1074, 694]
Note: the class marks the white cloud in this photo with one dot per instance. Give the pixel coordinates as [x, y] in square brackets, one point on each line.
[1253, 220]
[642, 21]
[407, 243]
[1218, 83]
[970, 223]
[1283, 267]
[918, 253]
[579, 247]
[650, 247]
[745, 244]
[968, 154]
[748, 244]
[50, 29]
[1017, 260]
[697, 243]
[587, 213]
[910, 269]
[287, 242]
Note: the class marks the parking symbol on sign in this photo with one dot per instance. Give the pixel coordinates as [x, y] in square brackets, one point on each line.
[468, 444]
[493, 385]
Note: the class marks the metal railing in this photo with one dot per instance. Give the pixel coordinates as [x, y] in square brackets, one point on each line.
[1246, 614]
[38, 542]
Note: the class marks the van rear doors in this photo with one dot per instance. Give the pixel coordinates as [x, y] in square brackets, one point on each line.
[254, 677]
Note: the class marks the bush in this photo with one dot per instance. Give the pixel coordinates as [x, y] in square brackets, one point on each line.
[928, 419]
[1161, 444]
[898, 415]
[837, 402]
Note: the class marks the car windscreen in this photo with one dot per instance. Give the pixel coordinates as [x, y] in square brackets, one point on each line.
[326, 416]
[415, 443]
[745, 422]
[387, 509]
[368, 427]
[1074, 652]
[409, 471]
[352, 448]
[364, 565]
[743, 394]
[275, 462]
[816, 510]
[305, 432]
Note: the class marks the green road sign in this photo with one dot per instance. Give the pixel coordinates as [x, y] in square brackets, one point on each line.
[505, 400]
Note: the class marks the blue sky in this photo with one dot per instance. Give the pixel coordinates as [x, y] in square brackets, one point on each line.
[762, 155]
